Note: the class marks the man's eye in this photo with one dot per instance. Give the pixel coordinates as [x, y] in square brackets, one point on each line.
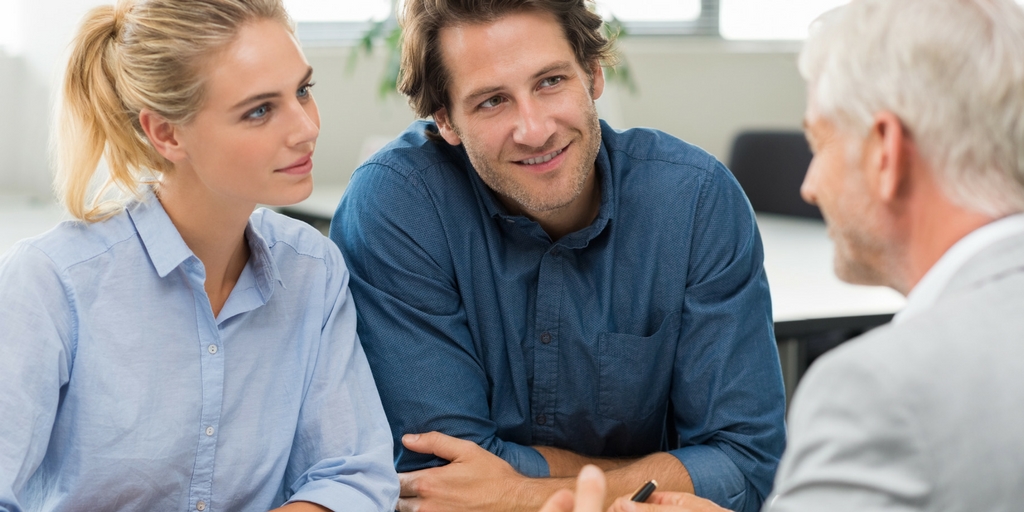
[492, 102]
[548, 82]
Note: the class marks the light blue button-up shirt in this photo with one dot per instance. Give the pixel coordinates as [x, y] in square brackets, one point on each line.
[120, 390]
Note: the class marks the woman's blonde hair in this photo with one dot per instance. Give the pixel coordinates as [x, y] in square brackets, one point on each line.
[127, 57]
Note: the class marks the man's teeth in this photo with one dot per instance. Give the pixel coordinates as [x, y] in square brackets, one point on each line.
[542, 159]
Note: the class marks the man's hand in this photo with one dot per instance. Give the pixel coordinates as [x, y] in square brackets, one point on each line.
[590, 493]
[475, 479]
[667, 502]
[590, 490]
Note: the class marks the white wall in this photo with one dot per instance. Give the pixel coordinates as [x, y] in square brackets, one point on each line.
[27, 81]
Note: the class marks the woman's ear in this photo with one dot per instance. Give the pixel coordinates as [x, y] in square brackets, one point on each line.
[163, 135]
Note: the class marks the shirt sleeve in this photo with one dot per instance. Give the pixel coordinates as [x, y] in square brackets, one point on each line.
[341, 457]
[727, 394]
[412, 321]
[35, 363]
[854, 442]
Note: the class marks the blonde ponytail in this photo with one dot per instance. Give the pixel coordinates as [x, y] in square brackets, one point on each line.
[135, 55]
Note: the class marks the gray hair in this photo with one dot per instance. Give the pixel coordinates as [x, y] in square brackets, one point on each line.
[951, 70]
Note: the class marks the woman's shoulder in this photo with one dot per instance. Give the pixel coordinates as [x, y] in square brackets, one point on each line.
[73, 241]
[301, 238]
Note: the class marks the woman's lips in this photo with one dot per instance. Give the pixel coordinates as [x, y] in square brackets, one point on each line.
[301, 166]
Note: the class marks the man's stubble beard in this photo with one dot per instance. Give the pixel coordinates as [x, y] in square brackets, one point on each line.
[506, 186]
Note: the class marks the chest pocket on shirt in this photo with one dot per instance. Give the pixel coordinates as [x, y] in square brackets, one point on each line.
[636, 372]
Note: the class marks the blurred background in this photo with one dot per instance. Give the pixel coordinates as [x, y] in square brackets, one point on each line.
[702, 70]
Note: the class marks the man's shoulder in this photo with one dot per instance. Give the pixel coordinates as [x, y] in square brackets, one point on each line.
[414, 151]
[641, 145]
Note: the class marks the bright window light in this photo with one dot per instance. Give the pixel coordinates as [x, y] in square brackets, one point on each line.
[10, 28]
[338, 10]
[650, 10]
[775, 20]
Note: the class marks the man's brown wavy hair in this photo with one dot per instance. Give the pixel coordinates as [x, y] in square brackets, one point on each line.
[423, 77]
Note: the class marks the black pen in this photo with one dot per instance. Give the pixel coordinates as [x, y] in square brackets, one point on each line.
[645, 492]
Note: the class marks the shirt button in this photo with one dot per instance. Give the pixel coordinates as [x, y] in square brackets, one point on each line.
[212, 349]
[209, 431]
[541, 419]
[201, 506]
[545, 338]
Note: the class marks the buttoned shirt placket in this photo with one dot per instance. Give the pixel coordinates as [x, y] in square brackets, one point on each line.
[211, 358]
[546, 334]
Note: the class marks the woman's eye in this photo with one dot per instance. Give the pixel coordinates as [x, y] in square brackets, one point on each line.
[259, 112]
[304, 91]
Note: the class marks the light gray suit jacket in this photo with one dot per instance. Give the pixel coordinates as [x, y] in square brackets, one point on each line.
[924, 415]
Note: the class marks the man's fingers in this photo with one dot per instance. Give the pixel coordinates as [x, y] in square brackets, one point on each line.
[560, 501]
[590, 490]
[436, 443]
[409, 483]
[408, 504]
[685, 501]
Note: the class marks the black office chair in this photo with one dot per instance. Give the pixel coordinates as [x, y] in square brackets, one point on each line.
[770, 166]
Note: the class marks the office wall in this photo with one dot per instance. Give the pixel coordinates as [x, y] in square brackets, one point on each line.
[10, 117]
[703, 91]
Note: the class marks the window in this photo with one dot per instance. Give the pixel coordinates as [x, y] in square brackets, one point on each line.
[775, 20]
[338, 10]
[10, 28]
[650, 10]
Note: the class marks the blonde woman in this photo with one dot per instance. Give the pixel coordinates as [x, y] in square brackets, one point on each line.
[175, 350]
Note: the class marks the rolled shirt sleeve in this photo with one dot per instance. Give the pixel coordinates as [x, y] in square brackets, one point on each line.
[728, 394]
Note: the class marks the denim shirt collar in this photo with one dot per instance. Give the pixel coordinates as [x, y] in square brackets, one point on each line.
[167, 250]
[575, 240]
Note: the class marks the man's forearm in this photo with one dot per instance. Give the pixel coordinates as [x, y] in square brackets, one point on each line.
[623, 479]
[564, 463]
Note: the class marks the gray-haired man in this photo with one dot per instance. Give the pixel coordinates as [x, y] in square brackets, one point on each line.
[916, 118]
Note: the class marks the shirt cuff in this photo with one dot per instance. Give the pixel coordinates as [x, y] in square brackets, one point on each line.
[337, 496]
[714, 475]
[526, 460]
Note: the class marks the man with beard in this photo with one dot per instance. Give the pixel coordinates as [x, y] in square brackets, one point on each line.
[538, 291]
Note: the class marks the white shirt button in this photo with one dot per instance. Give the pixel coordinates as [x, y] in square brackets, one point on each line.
[209, 431]
[201, 506]
[212, 349]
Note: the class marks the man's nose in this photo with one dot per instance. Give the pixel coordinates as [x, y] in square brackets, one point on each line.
[808, 189]
[534, 127]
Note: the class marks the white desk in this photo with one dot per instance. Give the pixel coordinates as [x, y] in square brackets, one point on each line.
[798, 260]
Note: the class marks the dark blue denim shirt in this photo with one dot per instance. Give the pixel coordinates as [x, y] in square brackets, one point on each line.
[649, 330]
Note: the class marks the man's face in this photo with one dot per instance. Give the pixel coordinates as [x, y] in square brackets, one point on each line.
[523, 108]
[836, 183]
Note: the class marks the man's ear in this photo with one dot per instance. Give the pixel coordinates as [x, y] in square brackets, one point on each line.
[163, 135]
[891, 148]
[445, 127]
[597, 83]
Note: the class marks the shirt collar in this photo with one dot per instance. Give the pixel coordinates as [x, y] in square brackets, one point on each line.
[263, 262]
[167, 250]
[930, 287]
[160, 238]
